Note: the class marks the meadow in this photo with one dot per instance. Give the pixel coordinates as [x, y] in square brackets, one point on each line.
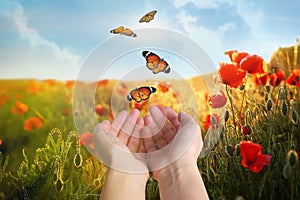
[42, 155]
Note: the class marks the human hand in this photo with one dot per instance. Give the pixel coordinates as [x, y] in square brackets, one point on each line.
[118, 144]
[174, 141]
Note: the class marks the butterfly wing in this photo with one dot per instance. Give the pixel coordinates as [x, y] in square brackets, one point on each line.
[134, 95]
[118, 30]
[148, 17]
[145, 92]
[152, 60]
[163, 66]
[128, 32]
[140, 94]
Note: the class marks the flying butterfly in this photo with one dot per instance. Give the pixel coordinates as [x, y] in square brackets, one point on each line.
[124, 31]
[140, 94]
[148, 17]
[155, 63]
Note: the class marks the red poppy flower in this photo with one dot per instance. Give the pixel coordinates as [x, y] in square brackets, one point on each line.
[32, 123]
[294, 78]
[218, 100]
[163, 87]
[20, 108]
[99, 109]
[87, 139]
[231, 75]
[236, 56]
[252, 156]
[253, 64]
[261, 79]
[277, 78]
[1, 141]
[65, 111]
[208, 122]
[103, 82]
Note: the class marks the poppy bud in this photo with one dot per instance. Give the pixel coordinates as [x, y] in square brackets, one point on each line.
[229, 150]
[292, 158]
[226, 115]
[268, 88]
[284, 108]
[242, 87]
[246, 130]
[269, 104]
[295, 118]
[266, 97]
[211, 174]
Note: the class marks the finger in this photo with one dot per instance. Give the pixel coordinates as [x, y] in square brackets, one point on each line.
[149, 142]
[134, 143]
[157, 122]
[172, 116]
[118, 122]
[128, 126]
[167, 132]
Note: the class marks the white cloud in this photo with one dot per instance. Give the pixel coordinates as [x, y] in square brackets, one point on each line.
[209, 39]
[41, 53]
[200, 4]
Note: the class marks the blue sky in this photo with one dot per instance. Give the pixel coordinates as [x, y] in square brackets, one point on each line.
[53, 39]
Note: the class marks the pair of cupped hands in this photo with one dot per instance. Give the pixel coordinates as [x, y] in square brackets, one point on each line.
[161, 139]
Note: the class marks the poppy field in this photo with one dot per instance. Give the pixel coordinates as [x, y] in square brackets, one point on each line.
[256, 155]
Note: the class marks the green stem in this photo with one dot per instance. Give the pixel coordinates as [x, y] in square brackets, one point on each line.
[231, 106]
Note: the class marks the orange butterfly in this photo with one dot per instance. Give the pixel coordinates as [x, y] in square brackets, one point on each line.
[140, 94]
[155, 63]
[148, 17]
[123, 31]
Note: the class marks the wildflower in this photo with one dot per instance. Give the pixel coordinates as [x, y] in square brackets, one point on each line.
[20, 108]
[163, 87]
[32, 123]
[103, 82]
[246, 130]
[217, 100]
[261, 79]
[294, 78]
[277, 78]
[87, 139]
[252, 156]
[65, 111]
[50, 82]
[69, 84]
[236, 56]
[231, 75]
[34, 87]
[209, 121]
[3, 99]
[1, 141]
[99, 109]
[253, 64]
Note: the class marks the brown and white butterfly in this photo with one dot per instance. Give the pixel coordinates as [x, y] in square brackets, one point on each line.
[155, 63]
[141, 93]
[124, 31]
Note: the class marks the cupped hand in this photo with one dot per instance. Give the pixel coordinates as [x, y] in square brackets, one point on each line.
[175, 141]
[118, 144]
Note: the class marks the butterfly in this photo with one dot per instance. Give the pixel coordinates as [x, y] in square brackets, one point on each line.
[140, 94]
[148, 17]
[155, 63]
[123, 31]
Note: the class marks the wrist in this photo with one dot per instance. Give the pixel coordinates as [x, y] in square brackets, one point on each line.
[136, 179]
[175, 173]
